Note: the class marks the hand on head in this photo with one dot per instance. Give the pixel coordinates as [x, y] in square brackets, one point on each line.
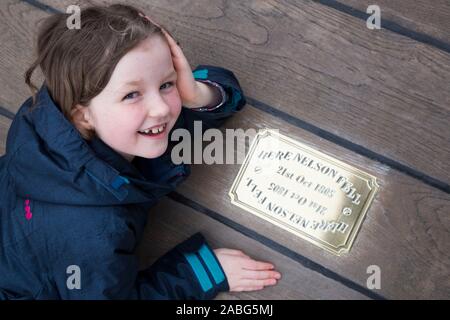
[188, 88]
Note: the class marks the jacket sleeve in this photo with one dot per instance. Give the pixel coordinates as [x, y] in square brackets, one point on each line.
[214, 116]
[190, 271]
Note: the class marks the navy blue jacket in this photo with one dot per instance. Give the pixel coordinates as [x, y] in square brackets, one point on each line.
[72, 211]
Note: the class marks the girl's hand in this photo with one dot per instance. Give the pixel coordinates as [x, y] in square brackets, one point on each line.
[193, 94]
[245, 274]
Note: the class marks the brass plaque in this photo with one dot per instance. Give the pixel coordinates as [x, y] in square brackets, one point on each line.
[304, 191]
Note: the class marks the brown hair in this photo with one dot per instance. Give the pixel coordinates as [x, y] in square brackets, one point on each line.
[78, 63]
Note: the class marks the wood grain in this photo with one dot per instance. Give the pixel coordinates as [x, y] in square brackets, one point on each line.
[17, 35]
[424, 16]
[5, 123]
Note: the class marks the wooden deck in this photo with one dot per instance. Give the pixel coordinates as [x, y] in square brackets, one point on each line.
[375, 99]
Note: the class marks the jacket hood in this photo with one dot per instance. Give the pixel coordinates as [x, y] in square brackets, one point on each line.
[48, 160]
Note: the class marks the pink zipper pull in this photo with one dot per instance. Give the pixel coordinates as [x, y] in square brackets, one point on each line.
[28, 213]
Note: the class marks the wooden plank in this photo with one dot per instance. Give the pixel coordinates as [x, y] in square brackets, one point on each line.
[374, 88]
[5, 123]
[424, 16]
[406, 232]
[170, 223]
[17, 35]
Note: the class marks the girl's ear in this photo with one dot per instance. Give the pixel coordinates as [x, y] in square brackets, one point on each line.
[82, 119]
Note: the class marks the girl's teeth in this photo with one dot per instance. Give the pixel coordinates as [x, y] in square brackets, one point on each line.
[154, 130]
[157, 130]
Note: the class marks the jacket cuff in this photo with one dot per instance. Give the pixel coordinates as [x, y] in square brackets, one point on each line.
[206, 269]
[222, 93]
[225, 79]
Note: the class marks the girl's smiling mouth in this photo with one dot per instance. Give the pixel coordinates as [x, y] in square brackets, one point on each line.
[154, 132]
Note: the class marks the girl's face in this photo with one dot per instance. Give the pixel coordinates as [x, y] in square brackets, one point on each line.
[140, 95]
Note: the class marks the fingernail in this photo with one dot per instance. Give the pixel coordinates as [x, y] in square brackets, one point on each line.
[278, 276]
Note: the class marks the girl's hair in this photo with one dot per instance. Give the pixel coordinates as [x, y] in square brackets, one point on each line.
[78, 63]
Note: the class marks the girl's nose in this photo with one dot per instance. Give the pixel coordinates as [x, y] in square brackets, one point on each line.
[158, 108]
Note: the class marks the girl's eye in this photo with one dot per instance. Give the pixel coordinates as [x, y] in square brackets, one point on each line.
[169, 83]
[130, 95]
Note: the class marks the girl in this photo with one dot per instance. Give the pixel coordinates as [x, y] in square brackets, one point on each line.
[89, 154]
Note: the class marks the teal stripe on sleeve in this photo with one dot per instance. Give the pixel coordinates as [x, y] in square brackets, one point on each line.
[211, 263]
[199, 271]
[201, 74]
